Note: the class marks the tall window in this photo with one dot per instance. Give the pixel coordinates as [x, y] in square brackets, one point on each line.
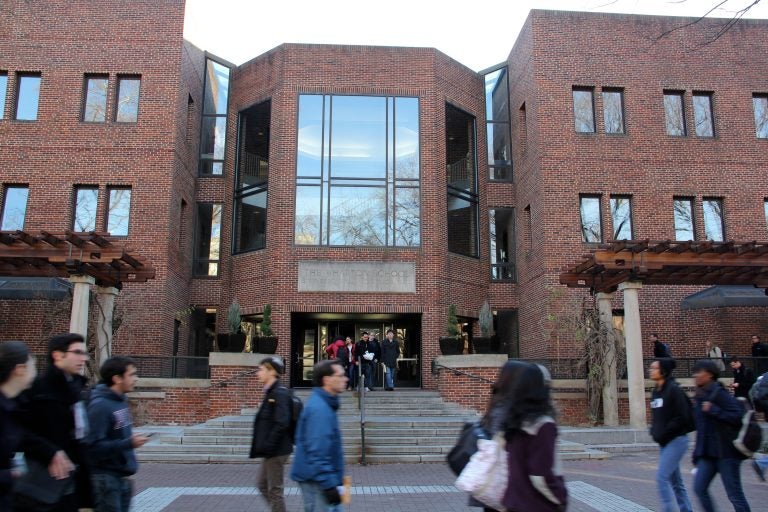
[674, 114]
[252, 176]
[497, 125]
[14, 207]
[584, 109]
[702, 114]
[213, 133]
[27, 96]
[95, 101]
[119, 211]
[621, 217]
[357, 171]
[127, 108]
[3, 89]
[461, 169]
[86, 203]
[613, 110]
[208, 239]
[684, 226]
[591, 223]
[714, 220]
[760, 104]
[502, 237]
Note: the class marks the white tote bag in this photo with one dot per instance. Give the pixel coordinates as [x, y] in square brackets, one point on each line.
[485, 475]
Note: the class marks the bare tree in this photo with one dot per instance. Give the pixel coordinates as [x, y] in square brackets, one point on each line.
[738, 13]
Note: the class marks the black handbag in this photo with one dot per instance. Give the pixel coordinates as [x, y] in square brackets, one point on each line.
[466, 446]
[38, 490]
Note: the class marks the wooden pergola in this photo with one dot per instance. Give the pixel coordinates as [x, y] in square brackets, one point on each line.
[627, 265]
[86, 259]
[24, 254]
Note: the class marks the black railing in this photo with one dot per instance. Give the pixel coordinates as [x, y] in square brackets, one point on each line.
[684, 368]
[172, 367]
[506, 271]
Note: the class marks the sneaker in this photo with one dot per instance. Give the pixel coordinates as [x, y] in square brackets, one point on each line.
[390, 389]
[758, 470]
[367, 389]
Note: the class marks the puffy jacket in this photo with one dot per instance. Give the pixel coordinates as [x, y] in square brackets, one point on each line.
[110, 449]
[319, 455]
[724, 410]
[271, 427]
[671, 414]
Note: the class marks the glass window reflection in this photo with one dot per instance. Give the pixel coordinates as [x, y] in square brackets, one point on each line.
[216, 88]
[128, 100]
[462, 226]
[591, 226]
[251, 215]
[497, 96]
[3, 92]
[14, 208]
[27, 97]
[95, 108]
[358, 169]
[208, 238]
[119, 211]
[683, 212]
[86, 202]
[499, 147]
[702, 115]
[714, 227]
[613, 111]
[673, 113]
[621, 216]
[583, 110]
[760, 105]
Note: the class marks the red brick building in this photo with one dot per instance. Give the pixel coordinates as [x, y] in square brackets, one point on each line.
[362, 188]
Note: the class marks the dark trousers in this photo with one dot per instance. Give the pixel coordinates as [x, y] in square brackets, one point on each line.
[270, 482]
[111, 493]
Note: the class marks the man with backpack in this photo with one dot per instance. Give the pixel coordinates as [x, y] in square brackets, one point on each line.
[272, 432]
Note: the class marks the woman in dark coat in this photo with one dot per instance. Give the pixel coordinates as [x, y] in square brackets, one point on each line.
[520, 406]
[17, 371]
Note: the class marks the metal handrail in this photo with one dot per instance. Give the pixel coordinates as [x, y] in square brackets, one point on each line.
[361, 405]
[436, 365]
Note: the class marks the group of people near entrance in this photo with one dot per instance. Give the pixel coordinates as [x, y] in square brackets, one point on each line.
[362, 360]
[77, 443]
[714, 409]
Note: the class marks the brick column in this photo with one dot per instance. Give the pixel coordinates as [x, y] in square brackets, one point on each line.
[610, 388]
[634, 339]
[78, 319]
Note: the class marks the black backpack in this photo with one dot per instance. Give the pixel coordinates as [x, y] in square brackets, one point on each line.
[296, 407]
[759, 393]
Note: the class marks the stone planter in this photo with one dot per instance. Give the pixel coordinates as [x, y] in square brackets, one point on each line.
[451, 346]
[231, 342]
[265, 345]
[482, 345]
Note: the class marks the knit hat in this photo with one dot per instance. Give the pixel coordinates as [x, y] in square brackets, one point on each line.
[274, 363]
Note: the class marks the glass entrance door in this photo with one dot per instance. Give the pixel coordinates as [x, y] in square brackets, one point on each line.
[305, 354]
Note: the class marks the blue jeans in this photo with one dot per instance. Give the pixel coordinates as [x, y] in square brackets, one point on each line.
[314, 500]
[390, 377]
[111, 493]
[669, 481]
[730, 474]
[763, 463]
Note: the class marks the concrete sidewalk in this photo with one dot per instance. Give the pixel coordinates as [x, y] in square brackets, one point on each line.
[624, 483]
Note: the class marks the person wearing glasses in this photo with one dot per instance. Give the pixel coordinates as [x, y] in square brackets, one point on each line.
[53, 414]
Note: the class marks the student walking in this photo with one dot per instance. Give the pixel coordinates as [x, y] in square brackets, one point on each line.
[17, 371]
[271, 432]
[390, 352]
[111, 442]
[714, 410]
[318, 465]
[672, 419]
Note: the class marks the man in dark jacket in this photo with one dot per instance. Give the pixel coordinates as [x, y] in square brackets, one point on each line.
[390, 351]
[318, 466]
[715, 411]
[368, 355]
[271, 432]
[760, 352]
[743, 378]
[660, 349]
[54, 417]
[111, 441]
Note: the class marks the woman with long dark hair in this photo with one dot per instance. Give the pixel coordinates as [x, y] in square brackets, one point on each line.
[17, 371]
[520, 406]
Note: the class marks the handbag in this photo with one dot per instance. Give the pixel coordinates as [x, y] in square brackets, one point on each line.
[486, 474]
[465, 446]
[38, 490]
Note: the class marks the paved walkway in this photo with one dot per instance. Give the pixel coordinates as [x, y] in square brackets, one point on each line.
[624, 483]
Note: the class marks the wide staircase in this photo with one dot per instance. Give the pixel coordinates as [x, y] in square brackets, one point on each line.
[400, 426]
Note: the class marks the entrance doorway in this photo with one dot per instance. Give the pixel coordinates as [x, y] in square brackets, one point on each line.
[312, 332]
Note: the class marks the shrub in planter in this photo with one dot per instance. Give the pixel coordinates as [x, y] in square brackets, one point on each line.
[267, 342]
[452, 344]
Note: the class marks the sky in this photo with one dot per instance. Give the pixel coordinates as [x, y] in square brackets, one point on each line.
[477, 33]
